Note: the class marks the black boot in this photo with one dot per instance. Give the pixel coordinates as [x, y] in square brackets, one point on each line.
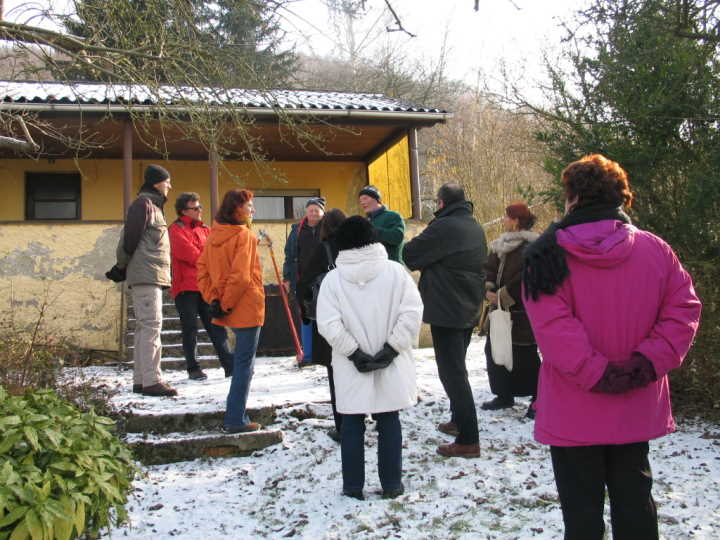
[226, 361]
[500, 402]
[531, 410]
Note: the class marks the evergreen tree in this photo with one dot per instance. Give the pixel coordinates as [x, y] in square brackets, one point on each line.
[647, 96]
[228, 43]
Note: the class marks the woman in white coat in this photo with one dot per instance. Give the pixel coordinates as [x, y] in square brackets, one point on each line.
[369, 311]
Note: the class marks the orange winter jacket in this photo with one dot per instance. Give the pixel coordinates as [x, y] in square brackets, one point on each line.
[229, 271]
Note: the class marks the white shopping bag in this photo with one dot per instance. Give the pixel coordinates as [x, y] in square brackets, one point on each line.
[501, 336]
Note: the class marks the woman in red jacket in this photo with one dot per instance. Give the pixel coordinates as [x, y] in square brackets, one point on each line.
[188, 235]
[230, 280]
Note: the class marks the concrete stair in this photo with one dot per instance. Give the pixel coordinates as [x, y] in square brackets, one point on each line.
[167, 438]
[171, 337]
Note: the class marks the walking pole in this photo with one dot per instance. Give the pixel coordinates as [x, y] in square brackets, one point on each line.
[283, 294]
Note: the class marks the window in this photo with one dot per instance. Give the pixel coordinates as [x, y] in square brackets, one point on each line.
[52, 196]
[276, 205]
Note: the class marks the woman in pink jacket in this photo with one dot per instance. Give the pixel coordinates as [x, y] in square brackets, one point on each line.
[613, 311]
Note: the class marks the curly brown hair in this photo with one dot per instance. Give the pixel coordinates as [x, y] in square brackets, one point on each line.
[521, 212]
[232, 200]
[595, 179]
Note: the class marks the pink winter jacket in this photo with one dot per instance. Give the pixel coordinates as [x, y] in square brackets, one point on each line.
[626, 292]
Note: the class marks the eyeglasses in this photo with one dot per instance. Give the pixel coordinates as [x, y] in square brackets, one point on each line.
[198, 207]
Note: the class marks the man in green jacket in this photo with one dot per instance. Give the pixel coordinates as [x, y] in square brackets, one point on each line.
[389, 225]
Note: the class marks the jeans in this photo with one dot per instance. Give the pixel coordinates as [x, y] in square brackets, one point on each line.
[246, 341]
[450, 346]
[147, 304]
[190, 305]
[306, 334]
[352, 446]
[581, 474]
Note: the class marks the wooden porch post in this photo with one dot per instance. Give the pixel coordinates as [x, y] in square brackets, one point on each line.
[414, 173]
[214, 197]
[127, 165]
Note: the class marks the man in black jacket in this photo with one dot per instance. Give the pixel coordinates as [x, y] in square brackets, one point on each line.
[450, 254]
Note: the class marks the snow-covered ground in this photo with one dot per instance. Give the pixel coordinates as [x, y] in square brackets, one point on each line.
[293, 489]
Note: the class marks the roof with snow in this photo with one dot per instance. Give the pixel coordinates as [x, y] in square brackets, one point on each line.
[120, 94]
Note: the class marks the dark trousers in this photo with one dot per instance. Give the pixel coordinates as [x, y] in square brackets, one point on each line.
[522, 380]
[352, 448]
[450, 346]
[337, 417]
[581, 474]
[190, 305]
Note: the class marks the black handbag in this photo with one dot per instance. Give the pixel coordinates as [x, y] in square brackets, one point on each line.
[311, 297]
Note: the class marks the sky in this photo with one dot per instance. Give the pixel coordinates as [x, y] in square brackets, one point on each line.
[513, 31]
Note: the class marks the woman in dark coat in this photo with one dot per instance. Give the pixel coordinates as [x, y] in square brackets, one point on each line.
[503, 280]
[316, 265]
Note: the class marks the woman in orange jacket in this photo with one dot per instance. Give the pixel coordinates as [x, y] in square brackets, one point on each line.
[230, 280]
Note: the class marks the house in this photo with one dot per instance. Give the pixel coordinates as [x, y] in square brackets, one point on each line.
[65, 203]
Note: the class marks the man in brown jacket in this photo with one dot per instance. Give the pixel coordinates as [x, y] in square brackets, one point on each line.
[144, 254]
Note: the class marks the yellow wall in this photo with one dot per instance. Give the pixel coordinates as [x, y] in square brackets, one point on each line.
[65, 262]
[391, 174]
[101, 189]
[63, 267]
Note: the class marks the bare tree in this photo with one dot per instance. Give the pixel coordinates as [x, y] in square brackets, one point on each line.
[491, 152]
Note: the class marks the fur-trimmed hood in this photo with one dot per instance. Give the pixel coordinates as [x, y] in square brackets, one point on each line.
[510, 241]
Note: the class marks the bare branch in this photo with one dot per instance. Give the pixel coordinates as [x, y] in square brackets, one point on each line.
[15, 144]
[400, 27]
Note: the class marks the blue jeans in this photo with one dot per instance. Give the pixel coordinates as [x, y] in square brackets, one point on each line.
[246, 342]
[352, 447]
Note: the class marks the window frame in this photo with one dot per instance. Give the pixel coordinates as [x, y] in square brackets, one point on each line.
[288, 195]
[30, 190]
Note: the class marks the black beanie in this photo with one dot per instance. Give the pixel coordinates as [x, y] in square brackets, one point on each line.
[153, 175]
[371, 191]
[355, 232]
[317, 201]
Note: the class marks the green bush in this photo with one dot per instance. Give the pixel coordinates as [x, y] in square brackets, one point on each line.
[64, 473]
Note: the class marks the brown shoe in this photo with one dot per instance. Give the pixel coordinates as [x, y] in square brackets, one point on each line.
[160, 389]
[459, 450]
[448, 428]
[250, 426]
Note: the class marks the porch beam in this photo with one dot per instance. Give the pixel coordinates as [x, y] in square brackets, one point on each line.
[214, 192]
[414, 173]
[127, 165]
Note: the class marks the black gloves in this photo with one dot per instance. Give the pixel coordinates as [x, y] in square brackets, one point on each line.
[618, 379]
[216, 311]
[116, 274]
[366, 363]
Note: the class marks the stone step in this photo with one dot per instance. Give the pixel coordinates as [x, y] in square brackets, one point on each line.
[176, 447]
[186, 422]
[177, 363]
[171, 322]
[168, 310]
[176, 349]
[168, 336]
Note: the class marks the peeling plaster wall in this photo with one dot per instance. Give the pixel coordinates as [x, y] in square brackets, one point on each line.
[62, 266]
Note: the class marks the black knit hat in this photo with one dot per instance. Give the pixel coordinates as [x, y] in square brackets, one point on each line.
[371, 191]
[317, 201]
[154, 174]
[355, 232]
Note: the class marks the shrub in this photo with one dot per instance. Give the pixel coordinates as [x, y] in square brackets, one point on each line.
[64, 472]
[31, 359]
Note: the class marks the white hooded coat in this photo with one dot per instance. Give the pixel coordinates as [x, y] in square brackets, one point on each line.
[365, 302]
